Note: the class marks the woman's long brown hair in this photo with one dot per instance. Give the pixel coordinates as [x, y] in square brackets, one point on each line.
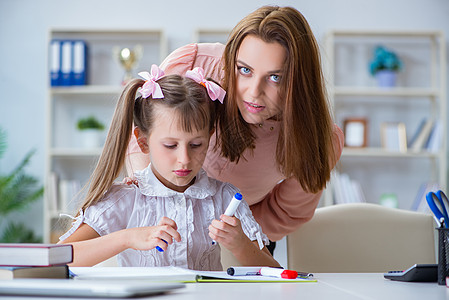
[304, 148]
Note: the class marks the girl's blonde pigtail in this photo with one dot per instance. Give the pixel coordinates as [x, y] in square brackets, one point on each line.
[112, 158]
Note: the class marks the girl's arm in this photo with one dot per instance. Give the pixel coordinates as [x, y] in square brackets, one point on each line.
[90, 248]
[229, 234]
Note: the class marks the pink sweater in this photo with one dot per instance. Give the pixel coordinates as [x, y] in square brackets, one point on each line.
[279, 204]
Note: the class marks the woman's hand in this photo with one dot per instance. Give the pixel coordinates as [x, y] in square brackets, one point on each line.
[228, 232]
[147, 238]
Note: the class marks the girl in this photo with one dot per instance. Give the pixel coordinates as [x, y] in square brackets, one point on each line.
[176, 204]
[276, 140]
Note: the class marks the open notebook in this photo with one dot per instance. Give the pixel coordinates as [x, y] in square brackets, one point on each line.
[85, 288]
[169, 274]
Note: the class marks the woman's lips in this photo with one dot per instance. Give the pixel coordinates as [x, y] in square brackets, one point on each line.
[182, 172]
[253, 108]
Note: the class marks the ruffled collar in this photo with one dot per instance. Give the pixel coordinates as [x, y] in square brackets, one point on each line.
[149, 185]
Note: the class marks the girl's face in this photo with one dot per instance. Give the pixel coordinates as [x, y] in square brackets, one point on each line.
[176, 156]
[259, 67]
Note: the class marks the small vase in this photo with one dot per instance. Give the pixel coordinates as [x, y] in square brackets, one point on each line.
[386, 78]
[91, 138]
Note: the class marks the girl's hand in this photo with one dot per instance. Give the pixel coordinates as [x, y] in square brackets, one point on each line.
[228, 232]
[147, 238]
[130, 180]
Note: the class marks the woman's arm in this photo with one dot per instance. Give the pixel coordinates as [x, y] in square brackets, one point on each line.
[288, 206]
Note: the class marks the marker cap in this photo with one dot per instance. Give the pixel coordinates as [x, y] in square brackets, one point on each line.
[289, 274]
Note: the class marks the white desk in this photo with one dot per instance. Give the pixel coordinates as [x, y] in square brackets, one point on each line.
[329, 286]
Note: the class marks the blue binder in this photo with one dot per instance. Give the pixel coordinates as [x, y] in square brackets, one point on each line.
[66, 63]
[79, 63]
[55, 63]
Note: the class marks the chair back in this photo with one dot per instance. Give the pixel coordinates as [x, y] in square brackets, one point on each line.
[362, 238]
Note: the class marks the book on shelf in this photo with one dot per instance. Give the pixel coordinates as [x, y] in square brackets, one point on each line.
[420, 202]
[346, 190]
[35, 254]
[422, 136]
[69, 195]
[63, 194]
[13, 272]
[435, 137]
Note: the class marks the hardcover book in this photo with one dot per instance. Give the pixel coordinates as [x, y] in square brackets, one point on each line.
[35, 254]
[34, 272]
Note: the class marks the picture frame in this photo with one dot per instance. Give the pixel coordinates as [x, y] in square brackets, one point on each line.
[355, 130]
[393, 136]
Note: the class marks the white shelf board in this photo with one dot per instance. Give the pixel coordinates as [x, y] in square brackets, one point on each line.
[87, 90]
[394, 92]
[75, 152]
[380, 152]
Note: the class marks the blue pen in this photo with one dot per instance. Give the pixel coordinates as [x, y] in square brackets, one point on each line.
[159, 248]
[232, 207]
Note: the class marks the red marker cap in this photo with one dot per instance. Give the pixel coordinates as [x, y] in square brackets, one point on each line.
[289, 274]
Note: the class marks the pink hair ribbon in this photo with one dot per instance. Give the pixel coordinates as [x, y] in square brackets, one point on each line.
[214, 90]
[151, 87]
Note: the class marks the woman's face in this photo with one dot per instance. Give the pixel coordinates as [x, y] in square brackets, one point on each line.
[259, 67]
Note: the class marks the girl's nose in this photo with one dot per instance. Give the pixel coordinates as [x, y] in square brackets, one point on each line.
[184, 155]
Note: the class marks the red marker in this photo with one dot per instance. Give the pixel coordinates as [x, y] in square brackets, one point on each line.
[276, 272]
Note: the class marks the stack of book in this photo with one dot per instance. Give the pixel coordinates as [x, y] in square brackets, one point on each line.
[35, 260]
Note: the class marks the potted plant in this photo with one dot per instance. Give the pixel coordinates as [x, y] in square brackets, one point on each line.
[91, 129]
[384, 66]
[17, 191]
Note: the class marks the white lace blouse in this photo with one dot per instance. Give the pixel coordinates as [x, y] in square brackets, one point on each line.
[130, 206]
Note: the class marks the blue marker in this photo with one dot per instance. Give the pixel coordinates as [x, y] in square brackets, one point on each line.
[232, 207]
[159, 248]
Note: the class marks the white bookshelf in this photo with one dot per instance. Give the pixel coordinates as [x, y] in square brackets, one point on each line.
[420, 93]
[207, 35]
[65, 156]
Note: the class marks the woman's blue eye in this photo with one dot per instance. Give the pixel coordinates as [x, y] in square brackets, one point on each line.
[244, 70]
[170, 146]
[275, 78]
[195, 145]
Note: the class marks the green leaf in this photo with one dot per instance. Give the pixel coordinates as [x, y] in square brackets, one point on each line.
[2, 142]
[18, 233]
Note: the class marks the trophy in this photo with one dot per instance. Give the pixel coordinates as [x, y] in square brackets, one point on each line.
[128, 59]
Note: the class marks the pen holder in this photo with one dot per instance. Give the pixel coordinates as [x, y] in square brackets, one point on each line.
[443, 255]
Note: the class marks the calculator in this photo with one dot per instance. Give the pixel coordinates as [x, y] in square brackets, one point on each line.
[416, 273]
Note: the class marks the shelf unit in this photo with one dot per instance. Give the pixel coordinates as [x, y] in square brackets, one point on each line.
[207, 35]
[66, 159]
[419, 94]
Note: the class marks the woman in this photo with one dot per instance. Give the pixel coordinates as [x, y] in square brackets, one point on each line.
[275, 138]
